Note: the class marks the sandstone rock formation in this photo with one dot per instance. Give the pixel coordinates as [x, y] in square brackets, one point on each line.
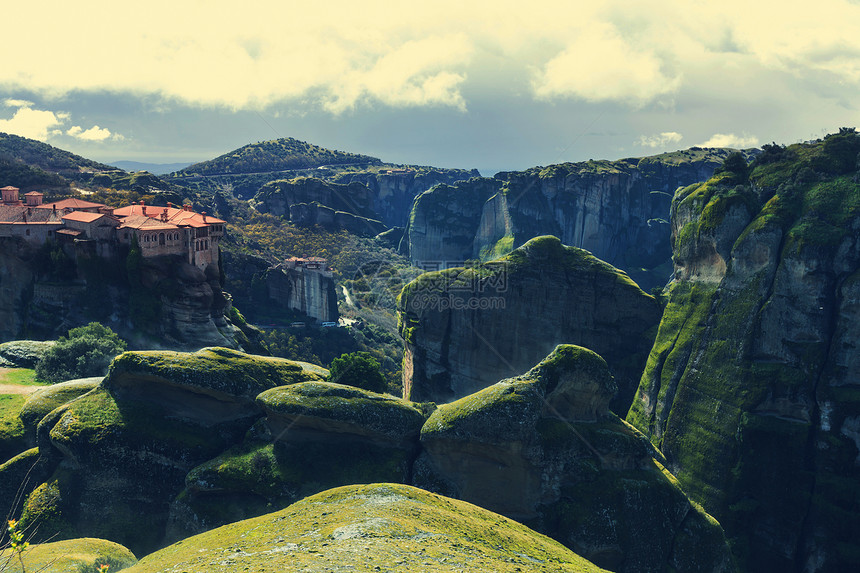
[394, 190]
[752, 388]
[581, 475]
[23, 353]
[617, 210]
[467, 328]
[172, 301]
[170, 444]
[316, 435]
[377, 527]
[130, 442]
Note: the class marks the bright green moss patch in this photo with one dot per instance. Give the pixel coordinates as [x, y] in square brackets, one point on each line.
[379, 527]
[41, 402]
[82, 555]
[366, 410]
[496, 411]
[219, 369]
[12, 432]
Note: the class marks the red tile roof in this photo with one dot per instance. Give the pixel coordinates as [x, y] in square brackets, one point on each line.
[83, 216]
[71, 203]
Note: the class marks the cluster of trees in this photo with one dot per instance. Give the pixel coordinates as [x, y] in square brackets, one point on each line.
[85, 351]
[45, 156]
[276, 155]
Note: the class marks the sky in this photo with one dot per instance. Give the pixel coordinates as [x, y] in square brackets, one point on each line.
[489, 85]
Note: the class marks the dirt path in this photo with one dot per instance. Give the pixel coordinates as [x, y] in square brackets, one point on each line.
[16, 389]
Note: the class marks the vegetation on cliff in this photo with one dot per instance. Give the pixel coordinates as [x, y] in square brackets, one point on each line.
[275, 155]
[750, 388]
[84, 351]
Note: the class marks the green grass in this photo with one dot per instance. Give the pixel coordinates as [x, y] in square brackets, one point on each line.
[19, 377]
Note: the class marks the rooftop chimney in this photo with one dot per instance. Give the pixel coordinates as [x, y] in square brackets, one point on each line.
[204, 216]
[143, 208]
[164, 215]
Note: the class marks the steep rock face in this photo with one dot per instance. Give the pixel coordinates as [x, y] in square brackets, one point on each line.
[306, 290]
[190, 304]
[16, 284]
[467, 328]
[395, 190]
[544, 448]
[169, 299]
[376, 527]
[310, 214]
[752, 388]
[618, 210]
[120, 453]
[276, 197]
[315, 435]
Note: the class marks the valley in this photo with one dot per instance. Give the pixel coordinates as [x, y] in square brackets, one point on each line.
[647, 364]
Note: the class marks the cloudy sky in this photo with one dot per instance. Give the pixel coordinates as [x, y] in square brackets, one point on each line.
[491, 85]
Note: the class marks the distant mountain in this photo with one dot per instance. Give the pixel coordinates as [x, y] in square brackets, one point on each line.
[46, 157]
[156, 168]
[276, 155]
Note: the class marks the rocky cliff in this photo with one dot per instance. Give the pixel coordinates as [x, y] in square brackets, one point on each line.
[170, 444]
[618, 210]
[582, 476]
[394, 190]
[467, 328]
[752, 388]
[162, 300]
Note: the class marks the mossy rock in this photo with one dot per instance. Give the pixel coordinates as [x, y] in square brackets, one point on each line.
[13, 435]
[215, 370]
[18, 477]
[123, 461]
[317, 435]
[377, 527]
[23, 353]
[339, 409]
[42, 401]
[83, 555]
[544, 448]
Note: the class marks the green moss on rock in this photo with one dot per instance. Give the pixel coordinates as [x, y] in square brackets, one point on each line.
[42, 401]
[371, 528]
[217, 369]
[83, 555]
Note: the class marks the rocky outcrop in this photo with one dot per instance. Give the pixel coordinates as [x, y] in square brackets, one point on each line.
[310, 291]
[618, 210]
[130, 442]
[310, 214]
[376, 527]
[315, 436]
[394, 190]
[51, 289]
[543, 448]
[23, 353]
[277, 197]
[751, 389]
[467, 328]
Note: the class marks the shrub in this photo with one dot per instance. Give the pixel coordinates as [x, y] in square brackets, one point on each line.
[85, 351]
[359, 369]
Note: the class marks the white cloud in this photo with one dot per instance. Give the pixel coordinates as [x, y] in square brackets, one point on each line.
[32, 123]
[601, 65]
[342, 54]
[730, 140]
[94, 133]
[661, 140]
[17, 103]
